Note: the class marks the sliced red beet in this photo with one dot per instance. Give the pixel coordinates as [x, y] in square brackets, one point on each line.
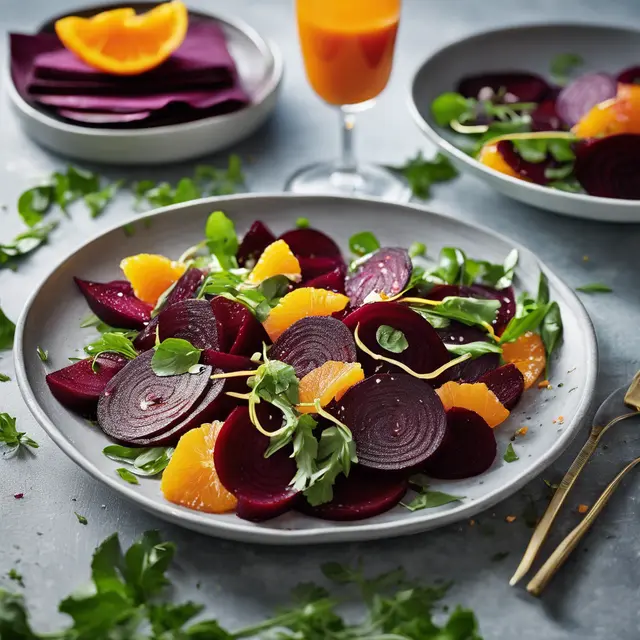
[386, 271]
[610, 167]
[310, 342]
[115, 304]
[315, 267]
[311, 243]
[364, 494]
[545, 117]
[191, 320]
[333, 281]
[136, 403]
[584, 93]
[630, 75]
[516, 86]
[226, 362]
[507, 383]
[260, 484]
[255, 241]
[425, 352]
[534, 171]
[78, 386]
[239, 330]
[397, 421]
[469, 447]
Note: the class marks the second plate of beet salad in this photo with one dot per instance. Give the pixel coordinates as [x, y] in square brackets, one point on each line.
[271, 374]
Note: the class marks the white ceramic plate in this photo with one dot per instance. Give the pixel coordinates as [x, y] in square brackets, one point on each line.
[52, 317]
[260, 67]
[527, 48]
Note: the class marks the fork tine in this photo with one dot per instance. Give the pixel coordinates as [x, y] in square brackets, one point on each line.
[632, 397]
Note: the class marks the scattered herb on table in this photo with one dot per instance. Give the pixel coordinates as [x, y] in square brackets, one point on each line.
[42, 354]
[421, 173]
[81, 518]
[510, 455]
[11, 437]
[563, 65]
[7, 332]
[4, 377]
[25, 243]
[594, 287]
[14, 575]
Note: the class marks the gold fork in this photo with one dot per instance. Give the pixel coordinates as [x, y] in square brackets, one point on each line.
[613, 410]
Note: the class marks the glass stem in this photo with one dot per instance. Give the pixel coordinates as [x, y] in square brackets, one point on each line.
[347, 159]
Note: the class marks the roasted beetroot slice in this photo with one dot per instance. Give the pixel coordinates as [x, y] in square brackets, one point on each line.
[386, 271]
[311, 243]
[115, 304]
[136, 403]
[517, 86]
[255, 241]
[364, 494]
[310, 342]
[315, 267]
[630, 75]
[545, 117]
[584, 93]
[78, 387]
[333, 281]
[191, 320]
[239, 329]
[425, 353]
[507, 383]
[397, 421]
[226, 362]
[534, 171]
[260, 484]
[469, 447]
[608, 167]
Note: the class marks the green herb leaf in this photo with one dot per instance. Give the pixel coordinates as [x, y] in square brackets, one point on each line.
[81, 519]
[7, 332]
[428, 499]
[302, 223]
[174, 356]
[42, 354]
[11, 437]
[594, 287]
[450, 106]
[97, 201]
[127, 476]
[25, 242]
[529, 315]
[222, 240]
[111, 342]
[563, 65]
[476, 349]
[558, 173]
[436, 321]
[543, 296]
[391, 339]
[34, 203]
[451, 266]
[14, 575]
[471, 311]
[4, 377]
[551, 332]
[363, 243]
[532, 150]
[561, 149]
[417, 249]
[510, 455]
[120, 453]
[570, 186]
[421, 173]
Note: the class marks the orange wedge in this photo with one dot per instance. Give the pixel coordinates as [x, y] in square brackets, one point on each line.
[123, 43]
[151, 275]
[528, 354]
[475, 397]
[276, 260]
[190, 478]
[328, 382]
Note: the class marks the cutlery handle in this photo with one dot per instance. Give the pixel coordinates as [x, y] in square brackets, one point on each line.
[564, 549]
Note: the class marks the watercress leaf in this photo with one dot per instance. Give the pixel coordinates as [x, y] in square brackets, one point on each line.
[222, 240]
[417, 249]
[186, 190]
[220, 282]
[543, 289]
[436, 321]
[428, 499]
[510, 455]
[120, 453]
[81, 182]
[391, 339]
[363, 243]
[140, 189]
[533, 150]
[34, 203]
[274, 288]
[518, 326]
[7, 332]
[172, 617]
[450, 106]
[127, 476]
[97, 201]
[161, 195]
[153, 461]
[451, 265]
[563, 65]
[471, 311]
[421, 173]
[4, 377]
[594, 287]
[476, 349]
[9, 435]
[14, 619]
[551, 332]
[561, 149]
[112, 342]
[174, 356]
[26, 242]
[558, 173]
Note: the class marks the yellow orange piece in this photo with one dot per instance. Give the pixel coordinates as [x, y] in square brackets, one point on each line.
[123, 43]
[475, 397]
[618, 115]
[492, 158]
[151, 275]
[302, 303]
[190, 478]
[276, 260]
[328, 382]
[528, 354]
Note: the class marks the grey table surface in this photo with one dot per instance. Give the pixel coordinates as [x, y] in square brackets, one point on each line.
[595, 596]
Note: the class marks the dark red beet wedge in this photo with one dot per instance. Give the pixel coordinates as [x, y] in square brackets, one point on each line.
[333, 281]
[386, 271]
[364, 494]
[397, 421]
[240, 331]
[507, 383]
[226, 361]
[629, 76]
[610, 167]
[136, 403]
[78, 387]
[469, 447]
[534, 171]
[115, 304]
[310, 342]
[425, 352]
[584, 93]
[260, 484]
[315, 267]
[255, 241]
[191, 320]
[545, 117]
[311, 243]
[517, 86]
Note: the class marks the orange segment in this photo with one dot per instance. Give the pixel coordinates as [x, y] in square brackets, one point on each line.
[302, 303]
[475, 397]
[190, 478]
[528, 354]
[151, 275]
[492, 158]
[123, 43]
[328, 382]
[618, 115]
[276, 260]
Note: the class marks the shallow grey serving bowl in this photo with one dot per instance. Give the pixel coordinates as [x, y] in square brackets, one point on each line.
[52, 317]
[526, 48]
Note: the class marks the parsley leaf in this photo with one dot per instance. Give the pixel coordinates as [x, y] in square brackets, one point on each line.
[26, 242]
[13, 438]
[421, 173]
[594, 287]
[427, 499]
[81, 518]
[510, 455]
[112, 342]
[563, 65]
[34, 203]
[175, 356]
[391, 339]
[97, 201]
[7, 332]
[222, 239]
[363, 243]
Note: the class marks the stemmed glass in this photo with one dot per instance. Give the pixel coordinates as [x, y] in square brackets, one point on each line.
[347, 46]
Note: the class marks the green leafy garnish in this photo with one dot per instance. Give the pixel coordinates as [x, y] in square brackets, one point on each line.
[127, 476]
[450, 106]
[436, 321]
[532, 150]
[510, 455]
[34, 203]
[4, 377]
[14, 575]
[25, 242]
[471, 311]
[7, 332]
[42, 354]
[563, 65]
[421, 173]
[594, 287]
[81, 518]
[97, 201]
[140, 462]
[551, 332]
[427, 499]
[111, 342]
[175, 356]
[302, 223]
[417, 249]
[11, 437]
[363, 243]
[476, 349]
[222, 240]
[570, 185]
[391, 339]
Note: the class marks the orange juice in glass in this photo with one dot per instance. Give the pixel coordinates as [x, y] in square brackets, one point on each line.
[347, 46]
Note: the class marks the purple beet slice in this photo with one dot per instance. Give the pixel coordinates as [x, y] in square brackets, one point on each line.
[260, 484]
[534, 171]
[333, 281]
[315, 267]
[425, 352]
[545, 117]
[191, 320]
[386, 271]
[78, 386]
[397, 421]
[115, 304]
[516, 86]
[255, 241]
[630, 75]
[469, 447]
[584, 93]
[136, 403]
[608, 167]
[311, 243]
[226, 362]
[239, 330]
[310, 342]
[364, 494]
[507, 383]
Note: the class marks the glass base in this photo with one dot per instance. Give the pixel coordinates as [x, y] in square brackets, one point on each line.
[368, 181]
